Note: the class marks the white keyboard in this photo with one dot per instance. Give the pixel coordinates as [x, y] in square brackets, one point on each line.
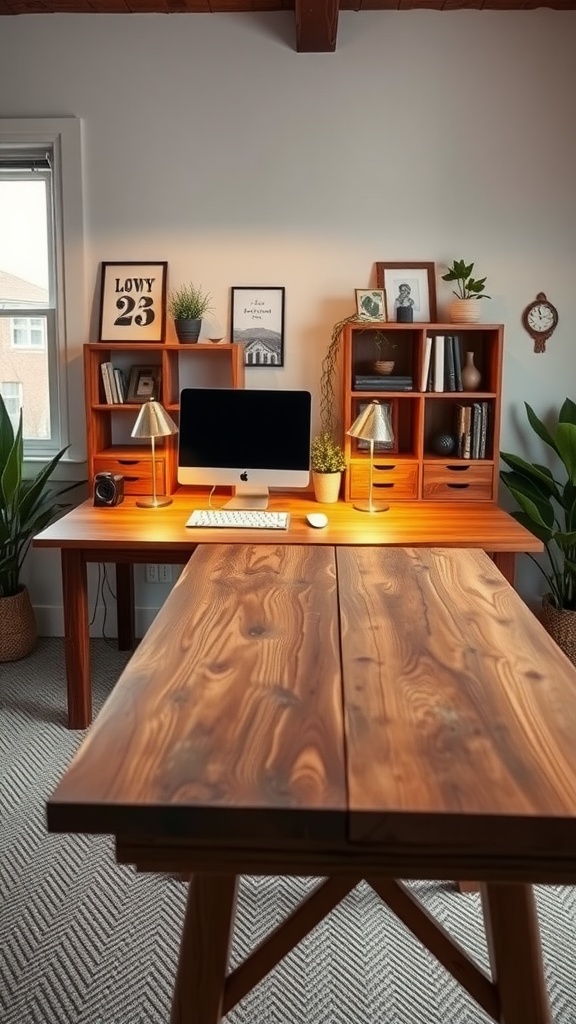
[233, 518]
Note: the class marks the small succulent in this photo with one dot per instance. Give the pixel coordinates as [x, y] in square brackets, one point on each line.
[326, 455]
[467, 287]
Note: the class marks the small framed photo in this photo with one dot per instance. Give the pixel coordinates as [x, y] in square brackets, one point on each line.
[371, 303]
[381, 446]
[258, 321]
[144, 383]
[409, 286]
[133, 302]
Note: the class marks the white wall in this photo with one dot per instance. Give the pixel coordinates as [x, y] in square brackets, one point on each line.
[209, 142]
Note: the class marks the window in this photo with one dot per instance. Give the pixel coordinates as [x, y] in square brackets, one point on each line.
[12, 394]
[41, 263]
[28, 332]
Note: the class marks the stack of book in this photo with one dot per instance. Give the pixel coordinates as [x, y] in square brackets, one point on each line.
[114, 382]
[375, 382]
[471, 429]
[442, 364]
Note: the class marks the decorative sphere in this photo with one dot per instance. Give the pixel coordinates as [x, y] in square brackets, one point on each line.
[443, 444]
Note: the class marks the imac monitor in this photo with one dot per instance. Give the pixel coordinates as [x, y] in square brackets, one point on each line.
[248, 438]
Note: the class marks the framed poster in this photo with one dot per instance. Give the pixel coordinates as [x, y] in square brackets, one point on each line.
[133, 302]
[409, 285]
[371, 303]
[258, 321]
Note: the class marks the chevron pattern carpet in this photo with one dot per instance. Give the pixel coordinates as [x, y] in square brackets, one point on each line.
[83, 941]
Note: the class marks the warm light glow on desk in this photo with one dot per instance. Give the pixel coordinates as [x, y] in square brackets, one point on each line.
[153, 421]
[373, 424]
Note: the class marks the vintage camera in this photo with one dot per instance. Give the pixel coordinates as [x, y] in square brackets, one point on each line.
[108, 489]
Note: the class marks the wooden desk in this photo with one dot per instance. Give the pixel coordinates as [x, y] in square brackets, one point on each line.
[446, 750]
[127, 534]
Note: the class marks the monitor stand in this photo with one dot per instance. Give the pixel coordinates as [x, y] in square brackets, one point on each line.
[247, 497]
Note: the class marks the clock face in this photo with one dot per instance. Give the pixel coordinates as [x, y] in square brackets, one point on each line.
[540, 317]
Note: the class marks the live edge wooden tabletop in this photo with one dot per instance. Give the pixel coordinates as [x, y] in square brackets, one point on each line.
[294, 709]
[354, 712]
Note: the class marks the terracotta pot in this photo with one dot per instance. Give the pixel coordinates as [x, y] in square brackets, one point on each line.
[560, 623]
[326, 487]
[464, 311]
[17, 626]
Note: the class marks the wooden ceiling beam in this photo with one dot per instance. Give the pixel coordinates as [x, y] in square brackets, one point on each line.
[316, 25]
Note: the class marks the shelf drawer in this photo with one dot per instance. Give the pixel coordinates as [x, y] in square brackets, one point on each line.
[472, 482]
[392, 479]
[137, 473]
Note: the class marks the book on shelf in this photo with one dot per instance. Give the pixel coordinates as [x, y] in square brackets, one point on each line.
[438, 372]
[105, 369]
[449, 368]
[426, 363]
[483, 428]
[121, 384]
[457, 363]
[367, 383]
[476, 430]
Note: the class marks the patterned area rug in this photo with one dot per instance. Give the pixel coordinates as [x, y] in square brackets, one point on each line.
[83, 941]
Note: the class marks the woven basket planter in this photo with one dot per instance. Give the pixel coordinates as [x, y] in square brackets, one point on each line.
[17, 626]
[326, 487]
[560, 623]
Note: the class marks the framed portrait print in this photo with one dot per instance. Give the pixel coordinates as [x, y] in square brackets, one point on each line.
[258, 321]
[409, 286]
[371, 303]
[133, 302]
[144, 383]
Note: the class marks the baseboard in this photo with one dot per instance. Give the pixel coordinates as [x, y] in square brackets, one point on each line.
[50, 621]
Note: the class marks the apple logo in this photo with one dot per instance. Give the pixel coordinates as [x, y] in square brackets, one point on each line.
[244, 475]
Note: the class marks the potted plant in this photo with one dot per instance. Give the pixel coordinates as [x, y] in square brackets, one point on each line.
[26, 507]
[384, 345]
[548, 510]
[187, 305]
[328, 463]
[464, 308]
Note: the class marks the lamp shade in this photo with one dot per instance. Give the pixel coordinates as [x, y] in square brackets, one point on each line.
[153, 421]
[372, 425]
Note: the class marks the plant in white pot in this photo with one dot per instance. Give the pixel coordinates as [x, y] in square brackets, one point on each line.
[548, 510]
[26, 507]
[187, 305]
[328, 463]
[464, 309]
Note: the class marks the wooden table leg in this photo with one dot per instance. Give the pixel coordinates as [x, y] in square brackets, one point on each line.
[125, 606]
[513, 939]
[505, 561]
[77, 638]
[204, 950]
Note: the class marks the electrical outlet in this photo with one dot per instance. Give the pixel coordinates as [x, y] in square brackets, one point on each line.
[155, 573]
[164, 573]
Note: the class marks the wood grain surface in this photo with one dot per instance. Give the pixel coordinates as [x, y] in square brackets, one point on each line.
[232, 700]
[458, 704]
[126, 532]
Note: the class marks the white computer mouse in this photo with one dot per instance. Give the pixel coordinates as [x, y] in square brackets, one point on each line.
[317, 519]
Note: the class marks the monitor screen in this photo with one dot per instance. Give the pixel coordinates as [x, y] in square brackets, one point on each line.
[248, 438]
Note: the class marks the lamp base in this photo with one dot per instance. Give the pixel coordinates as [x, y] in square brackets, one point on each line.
[153, 502]
[371, 506]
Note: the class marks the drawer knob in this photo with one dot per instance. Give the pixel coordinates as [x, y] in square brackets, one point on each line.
[458, 487]
[383, 469]
[457, 469]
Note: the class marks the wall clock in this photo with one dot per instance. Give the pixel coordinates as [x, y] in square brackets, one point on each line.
[540, 319]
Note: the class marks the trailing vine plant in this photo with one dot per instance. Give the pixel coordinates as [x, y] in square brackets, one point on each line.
[329, 363]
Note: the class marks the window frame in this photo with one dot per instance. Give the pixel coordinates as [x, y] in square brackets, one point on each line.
[64, 137]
